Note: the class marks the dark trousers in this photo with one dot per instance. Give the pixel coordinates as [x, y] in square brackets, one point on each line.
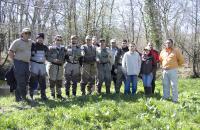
[114, 75]
[153, 81]
[42, 83]
[22, 74]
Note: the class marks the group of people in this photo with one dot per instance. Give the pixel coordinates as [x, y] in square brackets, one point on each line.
[91, 64]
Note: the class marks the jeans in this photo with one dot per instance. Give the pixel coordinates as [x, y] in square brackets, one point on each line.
[22, 74]
[147, 79]
[130, 79]
[170, 77]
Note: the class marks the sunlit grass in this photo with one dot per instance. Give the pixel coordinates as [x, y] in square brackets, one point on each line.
[107, 111]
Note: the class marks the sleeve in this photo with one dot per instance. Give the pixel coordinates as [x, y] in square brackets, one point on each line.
[97, 56]
[124, 59]
[117, 58]
[154, 64]
[160, 57]
[13, 46]
[139, 61]
[155, 55]
[46, 50]
[180, 58]
[82, 51]
[49, 57]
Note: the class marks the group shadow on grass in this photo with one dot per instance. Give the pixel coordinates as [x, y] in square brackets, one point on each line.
[82, 100]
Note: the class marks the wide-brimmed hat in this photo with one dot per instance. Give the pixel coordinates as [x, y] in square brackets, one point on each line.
[88, 37]
[74, 37]
[113, 41]
[26, 30]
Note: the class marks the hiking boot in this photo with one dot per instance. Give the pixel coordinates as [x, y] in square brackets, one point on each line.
[60, 97]
[53, 96]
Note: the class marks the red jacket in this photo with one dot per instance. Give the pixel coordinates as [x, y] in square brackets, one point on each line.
[155, 55]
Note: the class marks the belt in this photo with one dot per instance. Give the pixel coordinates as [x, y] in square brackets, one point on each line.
[119, 64]
[91, 63]
[104, 63]
[37, 62]
[75, 62]
[56, 64]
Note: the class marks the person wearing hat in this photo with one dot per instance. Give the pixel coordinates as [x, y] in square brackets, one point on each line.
[96, 44]
[38, 68]
[56, 58]
[72, 66]
[120, 77]
[147, 69]
[113, 49]
[170, 59]
[103, 58]
[131, 65]
[20, 54]
[88, 72]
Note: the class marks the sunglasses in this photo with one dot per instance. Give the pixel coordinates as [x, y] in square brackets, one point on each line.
[58, 39]
[27, 33]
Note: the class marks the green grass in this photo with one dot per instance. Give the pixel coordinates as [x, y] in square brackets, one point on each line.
[107, 111]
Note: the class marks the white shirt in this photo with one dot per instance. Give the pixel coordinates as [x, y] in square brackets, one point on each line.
[131, 63]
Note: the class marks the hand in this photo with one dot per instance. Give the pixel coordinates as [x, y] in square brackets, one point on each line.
[70, 58]
[97, 60]
[57, 61]
[115, 70]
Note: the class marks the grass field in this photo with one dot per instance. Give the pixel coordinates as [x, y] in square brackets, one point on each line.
[107, 111]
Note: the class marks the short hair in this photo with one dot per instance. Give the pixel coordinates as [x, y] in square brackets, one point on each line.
[170, 40]
[124, 40]
[132, 44]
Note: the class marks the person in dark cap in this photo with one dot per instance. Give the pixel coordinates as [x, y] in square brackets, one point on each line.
[20, 54]
[38, 68]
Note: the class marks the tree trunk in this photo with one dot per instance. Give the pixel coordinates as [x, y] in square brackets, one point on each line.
[153, 23]
[132, 21]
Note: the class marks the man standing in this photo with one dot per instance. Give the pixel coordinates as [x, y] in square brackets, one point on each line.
[96, 44]
[38, 68]
[72, 66]
[170, 59]
[88, 51]
[118, 65]
[20, 53]
[155, 55]
[113, 50]
[131, 64]
[103, 59]
[56, 57]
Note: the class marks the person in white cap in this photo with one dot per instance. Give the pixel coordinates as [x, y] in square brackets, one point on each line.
[88, 52]
[20, 54]
[113, 50]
